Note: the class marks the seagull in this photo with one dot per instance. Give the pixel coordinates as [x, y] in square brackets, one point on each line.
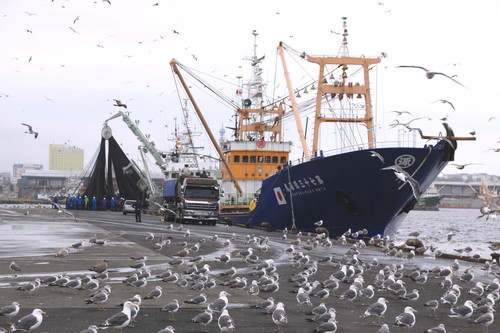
[267, 304]
[99, 298]
[318, 223]
[201, 298]
[384, 329]
[90, 329]
[438, 329]
[155, 293]
[100, 267]
[485, 320]
[433, 305]
[14, 267]
[168, 329]
[28, 322]
[204, 319]
[10, 311]
[225, 322]
[445, 101]
[402, 112]
[279, 316]
[407, 318]
[120, 319]
[462, 166]
[30, 130]
[462, 311]
[406, 178]
[303, 297]
[430, 74]
[377, 155]
[377, 309]
[328, 326]
[171, 308]
[219, 304]
[414, 233]
[119, 103]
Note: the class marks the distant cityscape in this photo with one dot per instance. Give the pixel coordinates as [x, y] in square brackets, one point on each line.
[32, 181]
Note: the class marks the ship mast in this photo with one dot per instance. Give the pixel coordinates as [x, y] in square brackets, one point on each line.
[173, 64]
[344, 89]
[340, 89]
[251, 122]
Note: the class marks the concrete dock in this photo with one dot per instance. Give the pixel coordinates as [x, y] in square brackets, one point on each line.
[33, 240]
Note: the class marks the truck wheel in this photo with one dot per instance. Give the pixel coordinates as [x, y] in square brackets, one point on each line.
[124, 213]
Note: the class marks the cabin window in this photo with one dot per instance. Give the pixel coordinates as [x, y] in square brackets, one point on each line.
[275, 159]
[245, 159]
[260, 159]
[268, 159]
[236, 158]
[174, 175]
[228, 158]
[253, 158]
[282, 159]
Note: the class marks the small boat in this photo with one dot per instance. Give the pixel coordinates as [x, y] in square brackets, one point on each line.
[429, 200]
[361, 184]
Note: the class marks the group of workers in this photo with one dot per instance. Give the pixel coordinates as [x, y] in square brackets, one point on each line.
[85, 203]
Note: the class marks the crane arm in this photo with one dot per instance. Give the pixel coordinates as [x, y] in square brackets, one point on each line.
[149, 145]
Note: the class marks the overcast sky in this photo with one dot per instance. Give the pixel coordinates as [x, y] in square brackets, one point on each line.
[64, 61]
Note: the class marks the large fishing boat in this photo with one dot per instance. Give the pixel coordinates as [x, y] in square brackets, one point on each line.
[359, 185]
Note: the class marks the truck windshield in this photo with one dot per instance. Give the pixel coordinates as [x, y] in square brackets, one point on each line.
[201, 193]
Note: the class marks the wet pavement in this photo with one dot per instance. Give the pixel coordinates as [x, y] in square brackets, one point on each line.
[33, 240]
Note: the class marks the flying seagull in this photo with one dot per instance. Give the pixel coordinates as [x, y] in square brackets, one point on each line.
[119, 103]
[30, 130]
[445, 101]
[402, 112]
[377, 155]
[462, 166]
[406, 178]
[430, 74]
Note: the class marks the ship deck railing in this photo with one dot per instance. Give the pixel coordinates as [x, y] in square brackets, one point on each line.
[354, 147]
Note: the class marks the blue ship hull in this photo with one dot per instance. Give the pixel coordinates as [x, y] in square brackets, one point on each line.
[348, 190]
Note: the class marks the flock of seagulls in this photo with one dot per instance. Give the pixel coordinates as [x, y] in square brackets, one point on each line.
[330, 280]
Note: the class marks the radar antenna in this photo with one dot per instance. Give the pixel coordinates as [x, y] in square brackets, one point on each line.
[344, 51]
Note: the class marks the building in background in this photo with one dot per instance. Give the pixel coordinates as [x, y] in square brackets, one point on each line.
[65, 158]
[19, 168]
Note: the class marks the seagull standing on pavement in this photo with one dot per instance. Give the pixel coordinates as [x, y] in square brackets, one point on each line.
[279, 316]
[120, 319]
[28, 322]
[10, 311]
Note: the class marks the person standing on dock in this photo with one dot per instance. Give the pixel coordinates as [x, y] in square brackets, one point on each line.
[185, 170]
[104, 204]
[113, 204]
[137, 209]
[94, 204]
[86, 203]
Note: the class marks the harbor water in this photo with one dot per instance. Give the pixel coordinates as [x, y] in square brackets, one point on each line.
[468, 230]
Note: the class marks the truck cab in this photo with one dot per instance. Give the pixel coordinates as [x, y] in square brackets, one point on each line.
[191, 200]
